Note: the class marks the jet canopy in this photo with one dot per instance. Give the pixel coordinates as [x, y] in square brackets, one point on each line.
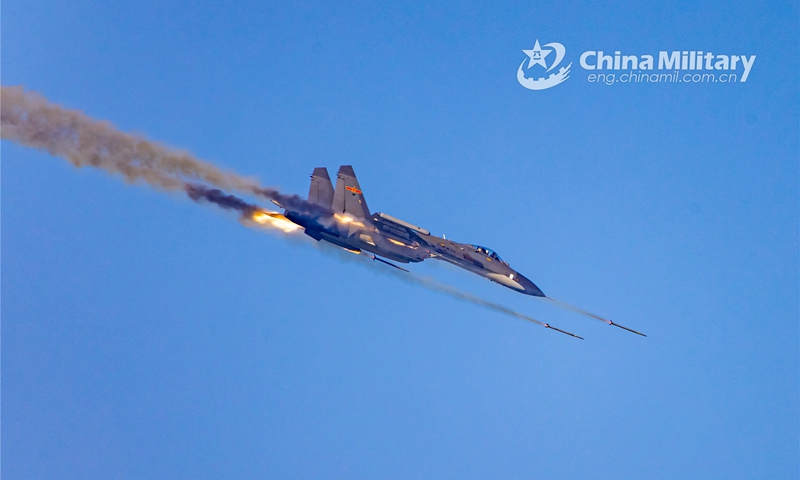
[489, 253]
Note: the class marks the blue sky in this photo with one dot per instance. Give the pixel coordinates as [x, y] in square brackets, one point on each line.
[144, 336]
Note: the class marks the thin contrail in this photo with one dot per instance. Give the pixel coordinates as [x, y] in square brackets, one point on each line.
[564, 305]
[581, 311]
[575, 309]
[454, 292]
[436, 286]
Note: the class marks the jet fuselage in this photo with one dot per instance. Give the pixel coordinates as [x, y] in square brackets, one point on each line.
[344, 220]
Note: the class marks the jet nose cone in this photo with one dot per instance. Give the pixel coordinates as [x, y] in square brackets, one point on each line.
[530, 287]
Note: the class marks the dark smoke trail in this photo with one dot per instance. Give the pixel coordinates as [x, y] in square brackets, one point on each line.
[31, 120]
[290, 202]
[220, 198]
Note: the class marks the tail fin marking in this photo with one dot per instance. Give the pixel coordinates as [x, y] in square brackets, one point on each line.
[348, 197]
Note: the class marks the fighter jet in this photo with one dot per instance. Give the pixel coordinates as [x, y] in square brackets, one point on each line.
[342, 218]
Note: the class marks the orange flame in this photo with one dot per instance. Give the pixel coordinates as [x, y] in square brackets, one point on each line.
[347, 219]
[274, 219]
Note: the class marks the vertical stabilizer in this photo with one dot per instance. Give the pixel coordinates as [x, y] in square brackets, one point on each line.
[348, 197]
[321, 191]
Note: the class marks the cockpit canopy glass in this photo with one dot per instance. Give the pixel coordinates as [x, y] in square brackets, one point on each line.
[489, 253]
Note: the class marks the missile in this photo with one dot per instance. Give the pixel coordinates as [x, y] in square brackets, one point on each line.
[626, 328]
[547, 325]
[389, 263]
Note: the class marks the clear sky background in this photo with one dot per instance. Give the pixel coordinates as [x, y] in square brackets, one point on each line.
[145, 336]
